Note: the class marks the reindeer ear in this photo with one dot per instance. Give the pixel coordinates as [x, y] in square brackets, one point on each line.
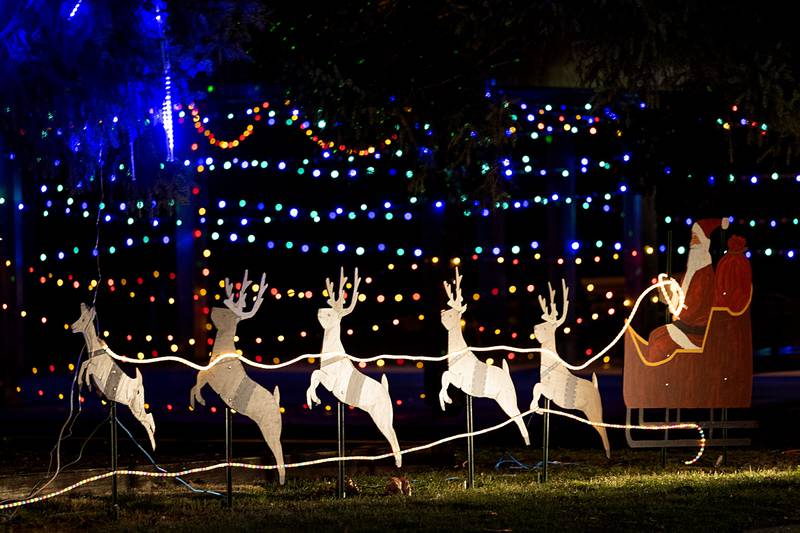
[464, 308]
[138, 377]
[277, 394]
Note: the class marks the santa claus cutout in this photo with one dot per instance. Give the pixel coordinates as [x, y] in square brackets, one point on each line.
[698, 283]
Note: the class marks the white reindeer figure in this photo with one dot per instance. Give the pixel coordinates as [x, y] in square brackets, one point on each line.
[556, 382]
[229, 379]
[114, 384]
[338, 374]
[467, 372]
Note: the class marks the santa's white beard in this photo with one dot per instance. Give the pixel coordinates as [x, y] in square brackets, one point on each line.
[699, 257]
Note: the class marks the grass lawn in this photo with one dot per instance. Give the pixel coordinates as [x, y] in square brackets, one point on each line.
[630, 492]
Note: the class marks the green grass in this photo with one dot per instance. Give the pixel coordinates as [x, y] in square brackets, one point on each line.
[630, 492]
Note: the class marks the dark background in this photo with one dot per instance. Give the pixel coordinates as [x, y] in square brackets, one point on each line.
[663, 91]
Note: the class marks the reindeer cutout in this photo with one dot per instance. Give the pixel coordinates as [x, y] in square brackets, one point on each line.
[338, 374]
[467, 372]
[109, 379]
[229, 379]
[556, 382]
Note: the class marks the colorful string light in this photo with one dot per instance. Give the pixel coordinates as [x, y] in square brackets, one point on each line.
[545, 120]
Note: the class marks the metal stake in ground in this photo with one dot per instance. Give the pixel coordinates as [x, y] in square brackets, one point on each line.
[114, 455]
[546, 439]
[725, 436]
[668, 316]
[470, 445]
[724, 409]
[229, 457]
[340, 489]
[666, 438]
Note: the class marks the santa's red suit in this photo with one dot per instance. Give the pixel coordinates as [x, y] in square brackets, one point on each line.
[688, 329]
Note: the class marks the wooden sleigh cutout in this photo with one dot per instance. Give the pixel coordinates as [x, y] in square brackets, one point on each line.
[717, 375]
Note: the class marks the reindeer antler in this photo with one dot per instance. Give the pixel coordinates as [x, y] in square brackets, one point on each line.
[455, 301]
[237, 306]
[551, 315]
[354, 298]
[331, 297]
[337, 304]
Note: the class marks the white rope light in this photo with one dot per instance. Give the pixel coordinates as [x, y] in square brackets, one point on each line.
[674, 308]
[676, 303]
[217, 466]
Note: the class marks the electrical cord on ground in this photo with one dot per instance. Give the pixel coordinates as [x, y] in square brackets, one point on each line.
[516, 464]
[160, 469]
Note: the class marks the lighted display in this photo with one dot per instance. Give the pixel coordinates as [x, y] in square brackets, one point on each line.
[338, 374]
[467, 372]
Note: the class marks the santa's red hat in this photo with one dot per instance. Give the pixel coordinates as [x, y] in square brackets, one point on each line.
[708, 225]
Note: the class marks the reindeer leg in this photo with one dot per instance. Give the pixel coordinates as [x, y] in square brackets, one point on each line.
[270, 426]
[83, 376]
[150, 427]
[311, 393]
[537, 393]
[507, 400]
[196, 393]
[391, 436]
[274, 444]
[382, 413]
[447, 378]
[593, 409]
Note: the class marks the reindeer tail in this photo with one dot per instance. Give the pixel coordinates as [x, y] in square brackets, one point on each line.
[505, 367]
[385, 382]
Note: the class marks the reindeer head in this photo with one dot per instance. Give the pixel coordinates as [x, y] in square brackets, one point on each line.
[546, 331]
[451, 318]
[86, 321]
[237, 306]
[331, 316]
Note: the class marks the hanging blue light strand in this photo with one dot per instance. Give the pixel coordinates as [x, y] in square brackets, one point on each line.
[166, 107]
[75, 9]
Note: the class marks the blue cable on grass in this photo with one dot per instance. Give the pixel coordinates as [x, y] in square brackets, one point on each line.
[515, 463]
[150, 458]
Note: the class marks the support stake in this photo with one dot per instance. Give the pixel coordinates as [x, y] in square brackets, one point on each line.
[340, 488]
[229, 457]
[546, 439]
[725, 435]
[470, 446]
[114, 456]
[666, 437]
[669, 319]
